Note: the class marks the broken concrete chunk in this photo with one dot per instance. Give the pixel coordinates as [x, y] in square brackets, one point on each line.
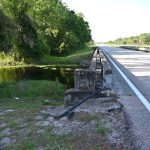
[72, 96]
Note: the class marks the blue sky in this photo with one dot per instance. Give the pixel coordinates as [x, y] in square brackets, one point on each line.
[111, 19]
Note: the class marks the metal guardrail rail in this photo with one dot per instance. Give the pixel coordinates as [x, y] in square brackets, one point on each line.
[69, 113]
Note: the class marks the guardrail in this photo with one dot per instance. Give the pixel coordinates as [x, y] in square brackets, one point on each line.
[138, 48]
[98, 75]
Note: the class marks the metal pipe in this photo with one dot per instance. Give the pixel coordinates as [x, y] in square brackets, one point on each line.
[69, 111]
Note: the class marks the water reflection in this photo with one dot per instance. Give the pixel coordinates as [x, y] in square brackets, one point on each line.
[63, 74]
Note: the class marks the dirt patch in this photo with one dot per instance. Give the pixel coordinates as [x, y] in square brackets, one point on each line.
[98, 124]
[108, 112]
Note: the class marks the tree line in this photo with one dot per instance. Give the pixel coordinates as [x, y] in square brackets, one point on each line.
[142, 39]
[33, 28]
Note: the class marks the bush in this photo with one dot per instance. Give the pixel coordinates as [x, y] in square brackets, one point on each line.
[7, 33]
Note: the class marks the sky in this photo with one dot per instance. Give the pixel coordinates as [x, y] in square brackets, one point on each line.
[112, 19]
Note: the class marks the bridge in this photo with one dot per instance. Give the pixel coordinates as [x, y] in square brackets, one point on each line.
[127, 72]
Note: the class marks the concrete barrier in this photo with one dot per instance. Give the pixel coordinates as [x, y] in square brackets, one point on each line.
[84, 80]
[87, 81]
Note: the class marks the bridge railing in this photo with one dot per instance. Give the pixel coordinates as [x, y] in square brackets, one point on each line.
[87, 81]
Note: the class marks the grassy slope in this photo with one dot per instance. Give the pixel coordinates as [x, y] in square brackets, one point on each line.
[30, 94]
[74, 58]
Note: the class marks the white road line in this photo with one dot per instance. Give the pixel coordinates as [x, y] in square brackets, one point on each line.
[132, 86]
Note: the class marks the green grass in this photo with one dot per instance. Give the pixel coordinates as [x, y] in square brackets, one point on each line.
[26, 144]
[72, 59]
[24, 104]
[12, 124]
[100, 128]
[31, 94]
[23, 128]
[56, 142]
[32, 89]
[99, 148]
[48, 140]
[26, 136]
[87, 117]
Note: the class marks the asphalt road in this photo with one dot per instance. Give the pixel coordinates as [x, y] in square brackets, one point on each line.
[136, 67]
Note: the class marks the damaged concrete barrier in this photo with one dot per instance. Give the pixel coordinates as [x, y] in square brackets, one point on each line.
[84, 80]
[87, 81]
[84, 86]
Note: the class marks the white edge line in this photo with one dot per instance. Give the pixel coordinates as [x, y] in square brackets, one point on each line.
[132, 86]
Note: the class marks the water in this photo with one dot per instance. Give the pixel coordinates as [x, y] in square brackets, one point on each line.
[64, 74]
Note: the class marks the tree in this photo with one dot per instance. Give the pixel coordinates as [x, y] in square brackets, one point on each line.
[26, 37]
[46, 27]
[7, 33]
[143, 39]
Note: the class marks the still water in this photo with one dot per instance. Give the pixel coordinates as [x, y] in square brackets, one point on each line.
[64, 74]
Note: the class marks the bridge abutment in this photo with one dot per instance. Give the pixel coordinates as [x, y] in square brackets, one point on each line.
[87, 81]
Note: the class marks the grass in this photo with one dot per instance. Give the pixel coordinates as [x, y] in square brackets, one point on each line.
[57, 142]
[26, 136]
[99, 147]
[24, 104]
[100, 128]
[12, 124]
[26, 144]
[23, 128]
[72, 59]
[31, 94]
[87, 117]
[48, 139]
[32, 89]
